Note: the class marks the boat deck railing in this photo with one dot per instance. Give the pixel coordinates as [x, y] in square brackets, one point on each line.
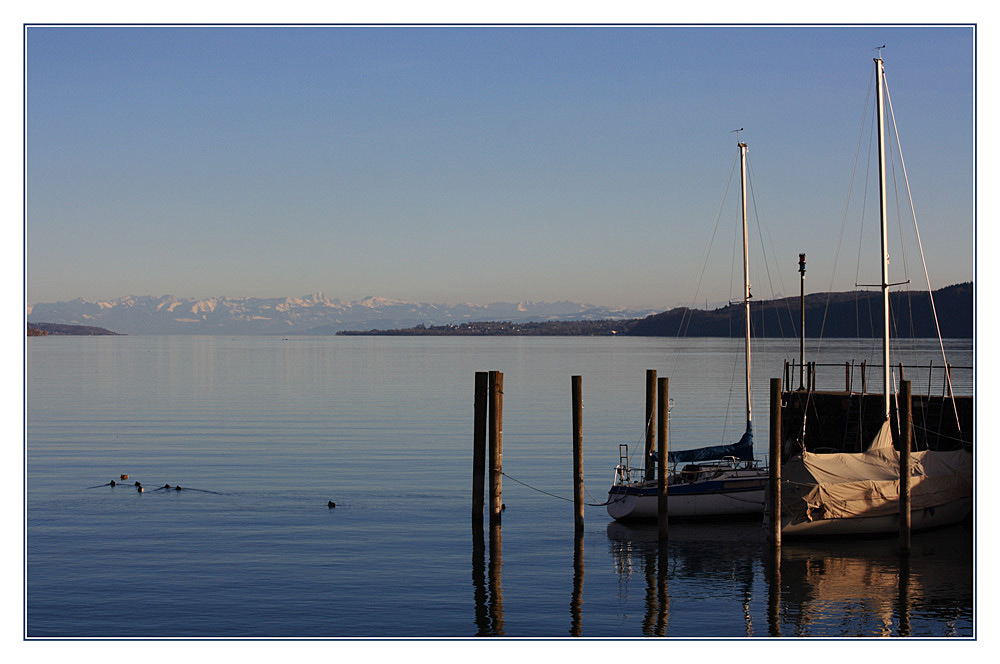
[627, 475]
[856, 378]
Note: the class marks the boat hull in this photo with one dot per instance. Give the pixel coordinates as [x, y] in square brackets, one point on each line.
[731, 498]
[935, 516]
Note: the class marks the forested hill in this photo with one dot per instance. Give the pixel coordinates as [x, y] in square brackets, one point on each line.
[58, 329]
[851, 314]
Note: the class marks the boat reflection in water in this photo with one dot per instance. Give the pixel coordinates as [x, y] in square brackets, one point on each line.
[715, 572]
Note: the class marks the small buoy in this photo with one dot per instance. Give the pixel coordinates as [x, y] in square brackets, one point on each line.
[124, 477]
[331, 504]
[503, 507]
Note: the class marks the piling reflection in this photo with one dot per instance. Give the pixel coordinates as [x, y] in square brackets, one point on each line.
[496, 587]
[576, 600]
[486, 582]
[820, 588]
[719, 562]
[904, 596]
[774, 592]
[482, 615]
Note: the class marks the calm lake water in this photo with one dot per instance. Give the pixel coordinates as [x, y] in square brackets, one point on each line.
[262, 432]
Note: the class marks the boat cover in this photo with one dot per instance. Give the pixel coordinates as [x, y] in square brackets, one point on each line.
[742, 450]
[866, 484]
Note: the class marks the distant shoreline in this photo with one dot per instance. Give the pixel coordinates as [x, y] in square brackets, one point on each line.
[58, 329]
[831, 315]
[850, 314]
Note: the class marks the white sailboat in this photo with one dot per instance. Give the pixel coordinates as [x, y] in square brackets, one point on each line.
[858, 493]
[715, 482]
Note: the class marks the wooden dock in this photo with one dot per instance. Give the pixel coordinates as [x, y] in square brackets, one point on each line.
[846, 419]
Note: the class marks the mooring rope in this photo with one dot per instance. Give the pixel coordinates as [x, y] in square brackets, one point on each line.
[604, 504]
[534, 488]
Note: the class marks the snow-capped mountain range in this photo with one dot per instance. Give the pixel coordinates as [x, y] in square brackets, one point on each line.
[311, 314]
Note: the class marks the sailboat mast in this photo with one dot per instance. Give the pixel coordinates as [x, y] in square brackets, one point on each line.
[746, 269]
[885, 236]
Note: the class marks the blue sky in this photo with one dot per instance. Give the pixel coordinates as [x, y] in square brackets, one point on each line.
[480, 164]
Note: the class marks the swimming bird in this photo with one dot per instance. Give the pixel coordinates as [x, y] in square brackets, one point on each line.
[139, 487]
[331, 504]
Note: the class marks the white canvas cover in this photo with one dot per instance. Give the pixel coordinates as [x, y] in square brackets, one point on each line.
[866, 484]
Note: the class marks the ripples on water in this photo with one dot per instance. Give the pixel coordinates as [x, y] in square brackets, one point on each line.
[383, 427]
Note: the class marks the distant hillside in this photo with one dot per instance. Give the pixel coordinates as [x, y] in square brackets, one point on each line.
[45, 329]
[851, 314]
[847, 315]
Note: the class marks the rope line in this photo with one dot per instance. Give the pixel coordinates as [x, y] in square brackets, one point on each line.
[534, 488]
[920, 245]
[610, 500]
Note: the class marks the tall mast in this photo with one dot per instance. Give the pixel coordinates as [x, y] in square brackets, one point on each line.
[746, 269]
[802, 321]
[885, 236]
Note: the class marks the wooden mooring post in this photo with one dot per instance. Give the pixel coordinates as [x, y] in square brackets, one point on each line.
[906, 430]
[577, 391]
[774, 476]
[496, 445]
[479, 447]
[663, 430]
[647, 459]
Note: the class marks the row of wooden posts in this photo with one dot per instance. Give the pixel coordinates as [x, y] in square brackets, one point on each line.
[488, 444]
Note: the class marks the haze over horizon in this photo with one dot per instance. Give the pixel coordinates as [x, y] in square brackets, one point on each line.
[482, 164]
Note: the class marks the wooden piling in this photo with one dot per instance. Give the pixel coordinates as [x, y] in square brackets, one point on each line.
[663, 431]
[906, 429]
[479, 447]
[774, 476]
[496, 444]
[577, 391]
[647, 459]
